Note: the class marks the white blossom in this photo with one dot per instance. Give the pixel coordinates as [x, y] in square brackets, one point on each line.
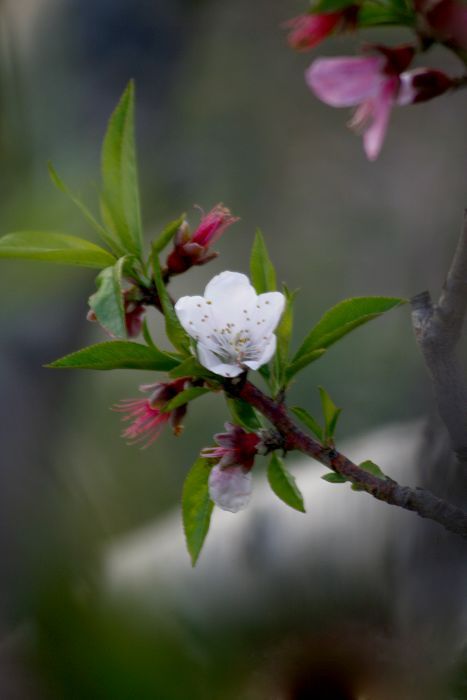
[232, 325]
[230, 487]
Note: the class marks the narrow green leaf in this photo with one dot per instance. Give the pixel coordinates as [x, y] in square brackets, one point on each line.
[173, 327]
[116, 354]
[54, 247]
[283, 484]
[186, 396]
[334, 478]
[191, 368]
[92, 221]
[284, 333]
[374, 14]
[121, 205]
[262, 270]
[107, 301]
[167, 234]
[308, 420]
[302, 362]
[196, 507]
[243, 414]
[343, 318]
[330, 5]
[331, 414]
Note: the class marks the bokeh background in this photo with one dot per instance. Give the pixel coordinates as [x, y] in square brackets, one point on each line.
[223, 114]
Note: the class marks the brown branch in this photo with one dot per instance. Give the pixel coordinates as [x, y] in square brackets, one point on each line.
[426, 504]
[437, 330]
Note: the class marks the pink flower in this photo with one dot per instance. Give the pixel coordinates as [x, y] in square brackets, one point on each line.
[193, 249]
[230, 480]
[370, 83]
[306, 31]
[148, 416]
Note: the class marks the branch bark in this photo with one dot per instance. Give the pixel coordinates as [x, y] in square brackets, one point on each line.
[437, 330]
[423, 502]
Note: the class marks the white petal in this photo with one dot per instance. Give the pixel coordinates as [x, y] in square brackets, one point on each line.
[272, 307]
[214, 363]
[195, 315]
[266, 355]
[230, 488]
[230, 289]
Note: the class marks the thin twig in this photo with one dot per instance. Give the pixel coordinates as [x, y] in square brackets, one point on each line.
[423, 502]
[437, 330]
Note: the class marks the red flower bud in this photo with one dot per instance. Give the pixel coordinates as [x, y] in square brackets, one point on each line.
[422, 84]
[307, 31]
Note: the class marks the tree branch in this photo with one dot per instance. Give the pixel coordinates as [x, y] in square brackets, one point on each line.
[437, 330]
[426, 504]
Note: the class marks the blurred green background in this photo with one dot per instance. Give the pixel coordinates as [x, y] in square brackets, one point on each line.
[223, 114]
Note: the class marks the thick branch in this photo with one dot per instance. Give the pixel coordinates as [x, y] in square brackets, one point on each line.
[422, 502]
[438, 329]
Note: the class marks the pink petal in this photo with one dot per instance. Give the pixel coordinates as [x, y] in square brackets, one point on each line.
[230, 488]
[381, 110]
[345, 82]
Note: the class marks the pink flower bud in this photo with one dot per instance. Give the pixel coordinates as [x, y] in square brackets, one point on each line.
[443, 20]
[193, 249]
[422, 84]
[307, 31]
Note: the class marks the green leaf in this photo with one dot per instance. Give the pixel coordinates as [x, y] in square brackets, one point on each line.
[186, 396]
[167, 234]
[331, 414]
[173, 327]
[342, 319]
[334, 478]
[196, 507]
[262, 270]
[116, 354]
[284, 333]
[107, 302]
[283, 484]
[371, 468]
[120, 197]
[330, 5]
[54, 247]
[302, 362]
[192, 368]
[243, 414]
[308, 420]
[375, 14]
[92, 221]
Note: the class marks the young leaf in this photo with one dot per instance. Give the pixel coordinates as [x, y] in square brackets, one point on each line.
[92, 221]
[334, 478]
[302, 362]
[173, 327]
[54, 247]
[186, 396]
[371, 468]
[167, 234]
[283, 334]
[331, 414]
[342, 319]
[120, 197]
[116, 354]
[308, 420]
[191, 368]
[196, 507]
[243, 414]
[262, 270]
[283, 484]
[107, 302]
